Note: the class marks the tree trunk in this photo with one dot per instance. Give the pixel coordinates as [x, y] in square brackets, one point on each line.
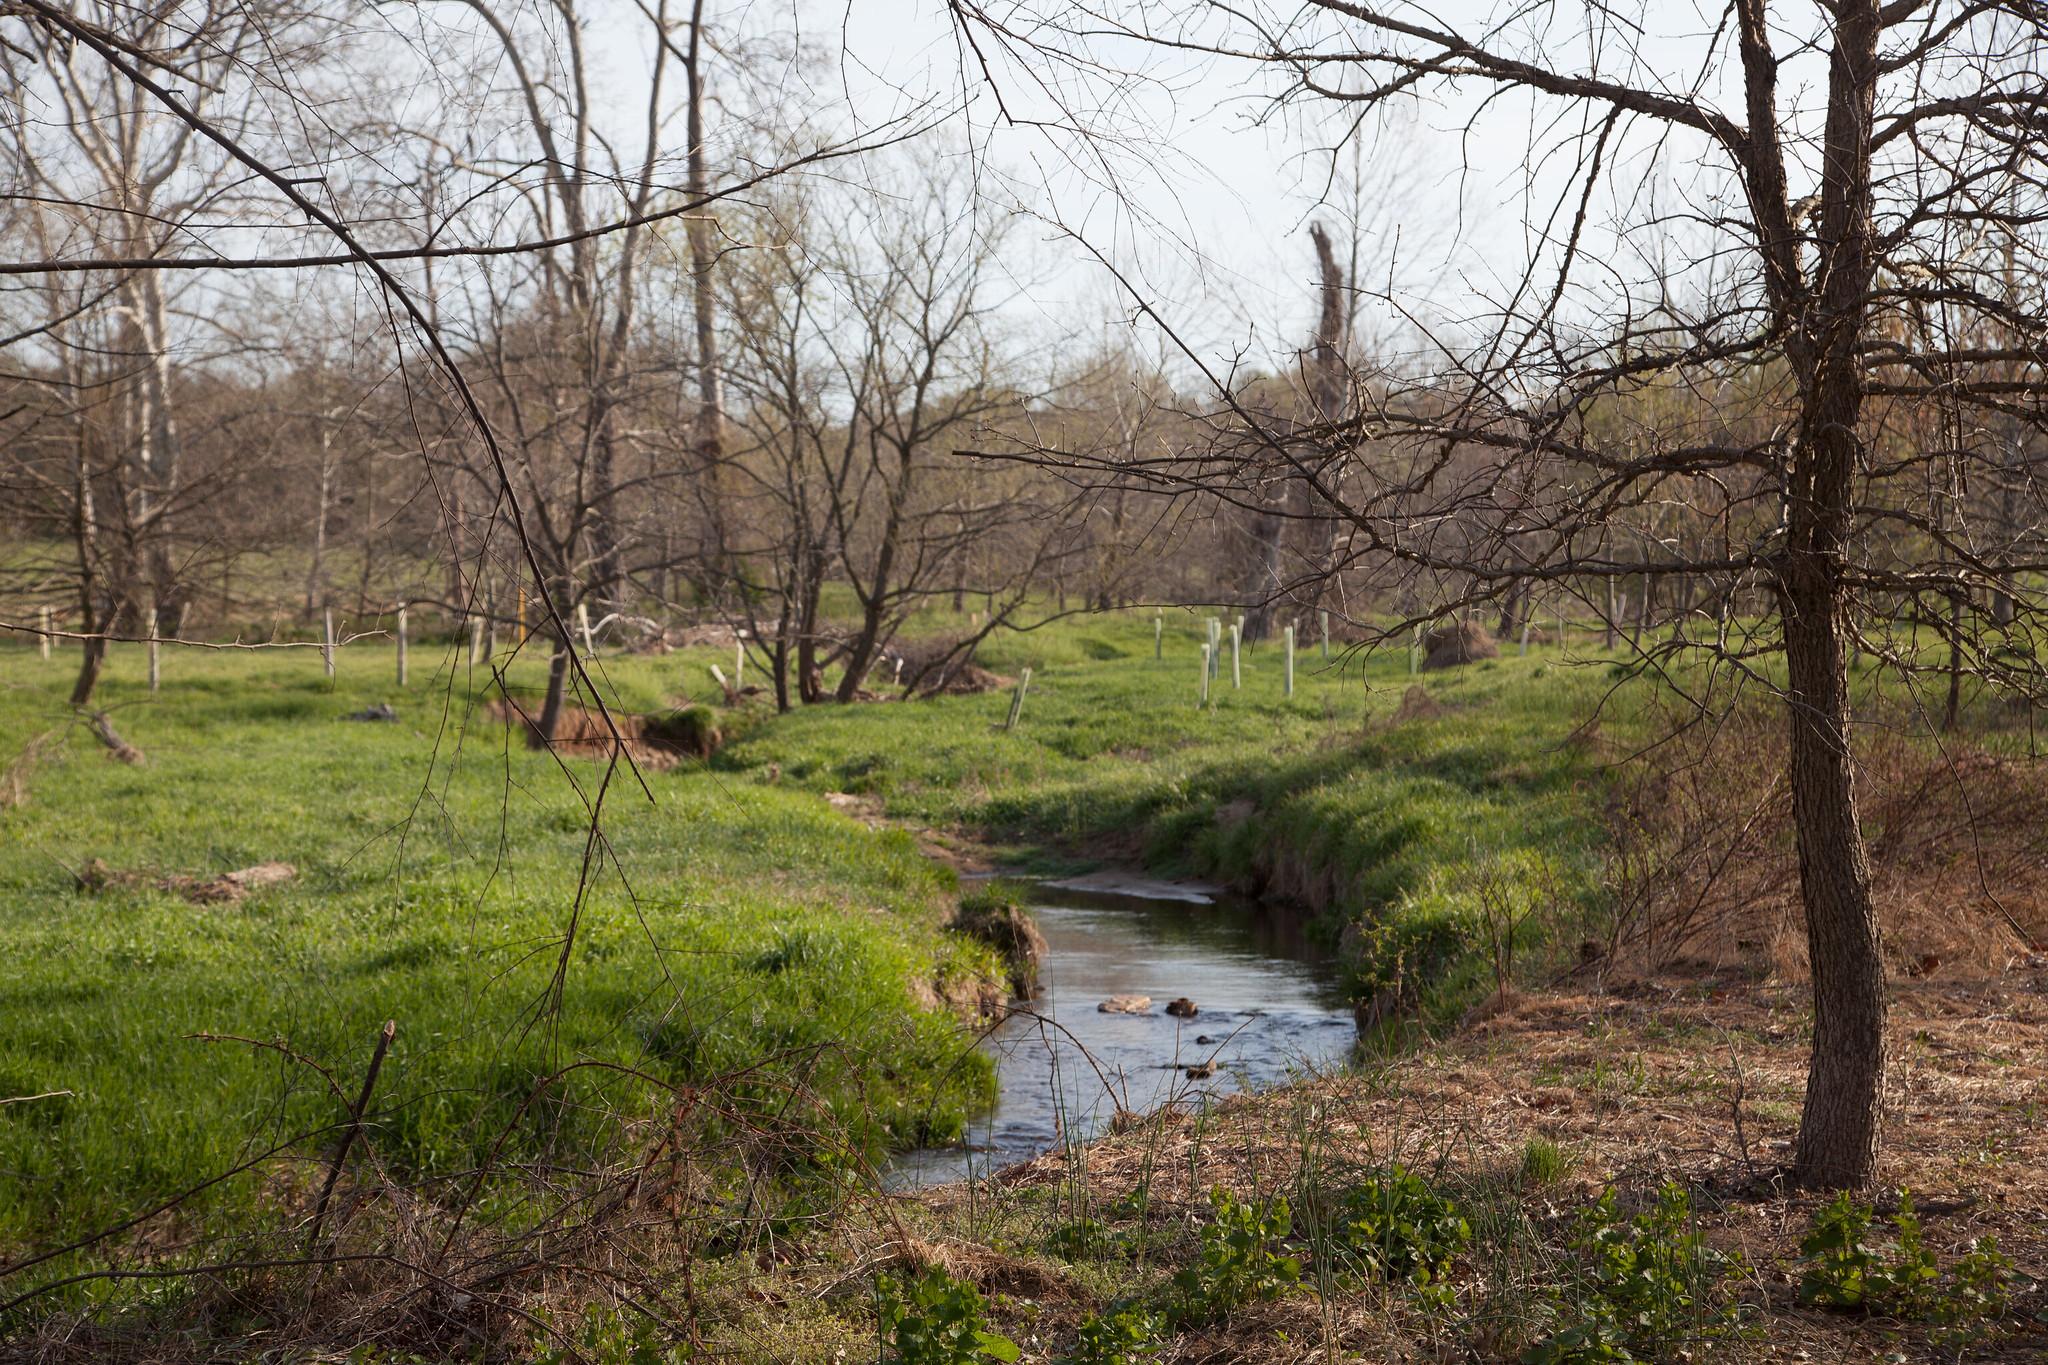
[543, 732]
[95, 654]
[862, 653]
[1269, 531]
[778, 662]
[1838, 1130]
[875, 601]
[159, 454]
[1952, 712]
[370, 521]
[607, 574]
[457, 541]
[316, 572]
[708, 424]
[85, 531]
[810, 676]
[1323, 372]
[1512, 610]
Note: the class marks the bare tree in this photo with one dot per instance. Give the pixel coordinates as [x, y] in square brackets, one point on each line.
[1810, 240]
[95, 168]
[863, 354]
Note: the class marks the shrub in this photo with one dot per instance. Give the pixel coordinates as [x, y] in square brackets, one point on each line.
[934, 1319]
[1242, 1259]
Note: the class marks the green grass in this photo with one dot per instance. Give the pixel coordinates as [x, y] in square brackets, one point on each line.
[1322, 796]
[732, 918]
[438, 869]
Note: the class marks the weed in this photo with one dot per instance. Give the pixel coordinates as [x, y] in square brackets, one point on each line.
[934, 1319]
[1401, 1229]
[1646, 1286]
[1126, 1334]
[608, 1337]
[1544, 1162]
[1079, 1239]
[1845, 1270]
[1242, 1260]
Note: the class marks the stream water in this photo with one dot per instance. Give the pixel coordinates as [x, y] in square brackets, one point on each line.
[1268, 1003]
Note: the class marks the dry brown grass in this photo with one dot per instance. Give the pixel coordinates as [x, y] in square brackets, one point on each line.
[1705, 874]
[1688, 1080]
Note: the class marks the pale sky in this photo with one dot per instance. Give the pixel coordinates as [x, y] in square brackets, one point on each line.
[1208, 214]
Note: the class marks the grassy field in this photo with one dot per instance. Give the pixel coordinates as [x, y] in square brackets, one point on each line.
[736, 922]
[437, 873]
[1335, 796]
[733, 916]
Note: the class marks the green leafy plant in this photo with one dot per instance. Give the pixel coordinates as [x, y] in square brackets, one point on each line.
[1124, 1335]
[1401, 1228]
[1838, 1260]
[1910, 1279]
[1847, 1269]
[1646, 1285]
[1243, 1259]
[1980, 1284]
[934, 1319]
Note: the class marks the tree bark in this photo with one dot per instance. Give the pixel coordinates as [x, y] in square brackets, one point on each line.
[1323, 368]
[1838, 1130]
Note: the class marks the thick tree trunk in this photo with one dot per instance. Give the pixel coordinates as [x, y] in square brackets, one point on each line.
[1291, 498]
[1839, 1129]
[1513, 608]
[1269, 533]
[865, 649]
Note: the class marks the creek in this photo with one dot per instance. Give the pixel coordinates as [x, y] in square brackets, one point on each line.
[1268, 1001]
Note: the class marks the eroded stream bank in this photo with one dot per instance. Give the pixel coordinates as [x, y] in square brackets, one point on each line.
[1268, 1007]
